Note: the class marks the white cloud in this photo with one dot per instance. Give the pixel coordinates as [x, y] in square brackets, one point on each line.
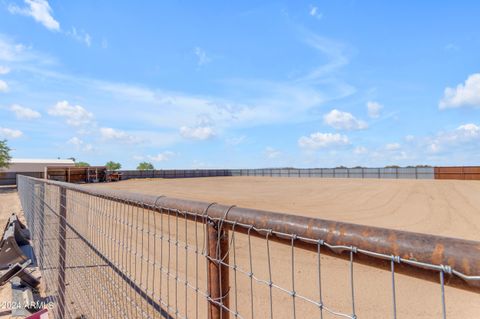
[80, 145]
[409, 138]
[198, 132]
[10, 51]
[469, 130]
[162, 157]
[3, 86]
[75, 115]
[272, 153]
[359, 150]
[374, 109]
[322, 140]
[466, 94]
[10, 133]
[315, 13]
[463, 135]
[393, 147]
[110, 134]
[4, 69]
[334, 51]
[80, 36]
[343, 121]
[39, 10]
[25, 113]
[202, 57]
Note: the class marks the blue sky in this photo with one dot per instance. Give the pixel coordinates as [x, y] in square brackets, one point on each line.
[253, 84]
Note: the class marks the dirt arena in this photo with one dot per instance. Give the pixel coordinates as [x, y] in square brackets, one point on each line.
[440, 207]
[446, 208]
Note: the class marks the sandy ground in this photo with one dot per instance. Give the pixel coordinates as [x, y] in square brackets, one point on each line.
[9, 203]
[142, 245]
[447, 208]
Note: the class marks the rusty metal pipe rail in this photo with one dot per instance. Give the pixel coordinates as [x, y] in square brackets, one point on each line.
[419, 255]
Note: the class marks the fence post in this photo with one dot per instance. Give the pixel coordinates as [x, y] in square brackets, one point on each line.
[218, 281]
[62, 252]
[41, 222]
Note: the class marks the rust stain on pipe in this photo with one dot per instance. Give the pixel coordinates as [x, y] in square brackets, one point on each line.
[218, 280]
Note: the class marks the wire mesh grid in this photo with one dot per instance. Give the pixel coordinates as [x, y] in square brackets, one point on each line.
[111, 258]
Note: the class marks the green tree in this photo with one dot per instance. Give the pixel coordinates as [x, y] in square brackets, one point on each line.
[4, 154]
[113, 166]
[143, 166]
[82, 164]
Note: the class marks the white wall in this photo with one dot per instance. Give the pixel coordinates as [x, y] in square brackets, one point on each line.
[35, 166]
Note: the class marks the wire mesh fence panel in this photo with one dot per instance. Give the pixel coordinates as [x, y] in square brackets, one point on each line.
[107, 254]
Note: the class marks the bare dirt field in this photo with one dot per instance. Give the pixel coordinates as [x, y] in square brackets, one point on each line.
[447, 208]
[440, 207]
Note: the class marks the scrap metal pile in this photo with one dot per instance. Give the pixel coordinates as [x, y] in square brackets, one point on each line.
[17, 267]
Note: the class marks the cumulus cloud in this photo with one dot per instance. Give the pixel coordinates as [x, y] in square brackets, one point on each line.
[198, 132]
[162, 157]
[10, 133]
[4, 70]
[393, 147]
[24, 113]
[111, 134]
[374, 109]
[343, 121]
[3, 86]
[75, 115]
[40, 11]
[466, 94]
[461, 136]
[322, 140]
[202, 57]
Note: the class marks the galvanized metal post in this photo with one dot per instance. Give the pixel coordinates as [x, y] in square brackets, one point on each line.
[62, 252]
[218, 281]
[41, 221]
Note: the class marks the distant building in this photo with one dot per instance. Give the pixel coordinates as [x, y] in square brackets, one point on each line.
[18, 165]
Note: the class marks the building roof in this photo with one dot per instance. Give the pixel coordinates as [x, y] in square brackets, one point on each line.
[41, 161]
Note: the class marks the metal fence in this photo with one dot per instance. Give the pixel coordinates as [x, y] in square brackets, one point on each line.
[391, 173]
[10, 178]
[113, 254]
